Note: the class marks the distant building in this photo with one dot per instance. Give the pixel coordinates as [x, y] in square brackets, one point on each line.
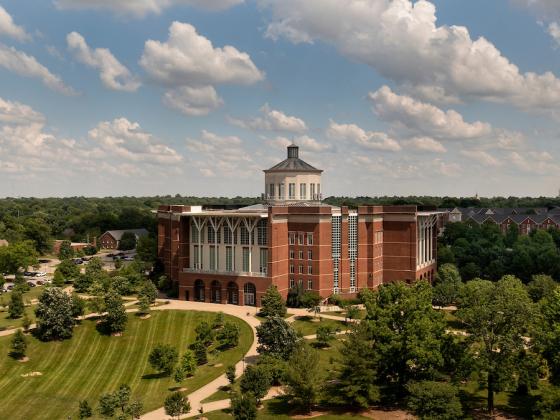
[232, 255]
[112, 238]
[76, 246]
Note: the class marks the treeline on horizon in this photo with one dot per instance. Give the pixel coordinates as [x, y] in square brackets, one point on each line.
[80, 218]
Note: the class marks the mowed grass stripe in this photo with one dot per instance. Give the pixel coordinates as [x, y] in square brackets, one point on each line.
[143, 362]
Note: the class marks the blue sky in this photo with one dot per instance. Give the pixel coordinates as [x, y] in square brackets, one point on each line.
[389, 97]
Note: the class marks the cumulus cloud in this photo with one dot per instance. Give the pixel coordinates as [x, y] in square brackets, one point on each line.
[357, 135]
[215, 154]
[25, 65]
[401, 41]
[481, 157]
[112, 73]
[554, 32]
[127, 140]
[190, 59]
[141, 8]
[305, 142]
[9, 28]
[536, 163]
[193, 101]
[272, 120]
[423, 118]
[426, 144]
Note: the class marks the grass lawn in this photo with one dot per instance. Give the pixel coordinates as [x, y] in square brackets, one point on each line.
[277, 409]
[342, 314]
[90, 364]
[8, 323]
[307, 325]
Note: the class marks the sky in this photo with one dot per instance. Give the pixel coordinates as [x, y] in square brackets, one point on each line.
[197, 97]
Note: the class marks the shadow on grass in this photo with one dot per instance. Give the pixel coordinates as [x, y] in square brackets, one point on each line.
[158, 375]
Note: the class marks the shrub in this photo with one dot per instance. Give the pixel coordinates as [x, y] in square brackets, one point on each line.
[218, 321]
[325, 334]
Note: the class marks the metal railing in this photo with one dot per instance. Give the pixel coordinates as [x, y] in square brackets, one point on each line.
[225, 273]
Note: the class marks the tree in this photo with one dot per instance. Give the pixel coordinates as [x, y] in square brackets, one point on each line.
[200, 352]
[304, 377]
[122, 397]
[228, 336]
[18, 345]
[255, 380]
[68, 270]
[54, 314]
[186, 367]
[146, 249]
[148, 292]
[541, 286]
[434, 400]
[17, 256]
[94, 267]
[66, 251]
[548, 334]
[497, 316]
[176, 405]
[78, 305]
[127, 242]
[134, 409]
[276, 337]
[447, 285]
[244, 406]
[116, 318]
[325, 334]
[163, 358]
[85, 411]
[218, 321]
[107, 405]
[26, 322]
[352, 312]
[230, 374]
[204, 333]
[311, 301]
[15, 307]
[548, 407]
[58, 279]
[81, 284]
[272, 303]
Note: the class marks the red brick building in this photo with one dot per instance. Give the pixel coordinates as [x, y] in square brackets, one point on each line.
[234, 255]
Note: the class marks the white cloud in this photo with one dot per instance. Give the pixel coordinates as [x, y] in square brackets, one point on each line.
[481, 157]
[537, 163]
[367, 139]
[554, 32]
[193, 101]
[128, 141]
[401, 41]
[272, 120]
[9, 28]
[27, 66]
[426, 144]
[112, 73]
[190, 59]
[509, 140]
[141, 8]
[422, 118]
[306, 143]
[543, 9]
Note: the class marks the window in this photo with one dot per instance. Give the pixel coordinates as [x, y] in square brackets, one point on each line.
[228, 237]
[263, 260]
[301, 254]
[196, 257]
[318, 191]
[292, 271]
[281, 191]
[292, 238]
[335, 226]
[194, 233]
[300, 283]
[309, 284]
[244, 236]
[309, 255]
[292, 283]
[292, 190]
[211, 235]
[246, 267]
[292, 254]
[229, 258]
[312, 191]
[310, 238]
[301, 269]
[271, 190]
[213, 258]
[309, 269]
[300, 239]
[262, 232]
[302, 192]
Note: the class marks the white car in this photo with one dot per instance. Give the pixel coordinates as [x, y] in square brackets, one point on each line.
[40, 274]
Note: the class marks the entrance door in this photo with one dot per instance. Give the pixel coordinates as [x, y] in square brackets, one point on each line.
[249, 291]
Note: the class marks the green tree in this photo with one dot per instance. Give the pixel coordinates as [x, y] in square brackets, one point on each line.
[85, 410]
[200, 352]
[15, 307]
[82, 283]
[94, 267]
[78, 305]
[243, 406]
[218, 321]
[149, 291]
[434, 400]
[107, 405]
[325, 335]
[204, 333]
[311, 301]
[447, 285]
[54, 314]
[122, 397]
[276, 337]
[304, 376]
[134, 409]
[255, 380]
[18, 345]
[26, 322]
[66, 251]
[186, 367]
[163, 358]
[67, 270]
[352, 312]
[548, 405]
[176, 405]
[146, 249]
[17, 256]
[497, 317]
[548, 333]
[58, 279]
[228, 336]
[116, 318]
[127, 242]
[272, 303]
[38, 231]
[541, 286]
[230, 374]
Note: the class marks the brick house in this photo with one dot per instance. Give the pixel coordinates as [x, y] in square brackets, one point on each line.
[111, 239]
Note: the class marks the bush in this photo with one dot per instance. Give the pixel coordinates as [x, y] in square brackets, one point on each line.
[218, 321]
[325, 334]
[85, 410]
[434, 400]
[163, 358]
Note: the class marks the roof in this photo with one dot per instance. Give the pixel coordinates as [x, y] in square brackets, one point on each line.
[293, 163]
[117, 234]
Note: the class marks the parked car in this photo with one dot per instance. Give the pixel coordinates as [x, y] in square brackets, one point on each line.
[44, 261]
[29, 273]
[31, 284]
[110, 255]
[128, 258]
[40, 282]
[78, 261]
[40, 274]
